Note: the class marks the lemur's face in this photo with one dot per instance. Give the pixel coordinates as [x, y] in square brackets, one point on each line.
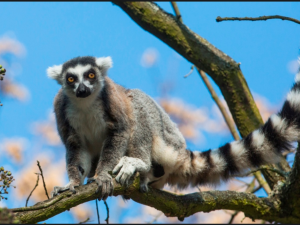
[82, 80]
[81, 76]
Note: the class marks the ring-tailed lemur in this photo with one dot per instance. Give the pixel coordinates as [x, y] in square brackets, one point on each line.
[106, 127]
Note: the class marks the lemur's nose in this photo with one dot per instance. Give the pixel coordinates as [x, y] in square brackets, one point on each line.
[82, 91]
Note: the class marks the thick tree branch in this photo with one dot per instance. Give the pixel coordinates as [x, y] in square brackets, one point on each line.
[64, 201]
[220, 19]
[291, 189]
[170, 204]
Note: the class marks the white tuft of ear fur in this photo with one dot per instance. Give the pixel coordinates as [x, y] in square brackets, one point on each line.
[104, 63]
[54, 72]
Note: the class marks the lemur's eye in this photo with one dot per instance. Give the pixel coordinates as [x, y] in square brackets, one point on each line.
[91, 75]
[71, 79]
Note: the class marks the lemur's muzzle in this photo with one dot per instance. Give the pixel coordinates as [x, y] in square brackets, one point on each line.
[82, 91]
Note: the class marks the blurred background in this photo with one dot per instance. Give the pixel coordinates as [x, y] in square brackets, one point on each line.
[36, 35]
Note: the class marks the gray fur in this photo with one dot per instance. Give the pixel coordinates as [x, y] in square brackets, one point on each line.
[126, 131]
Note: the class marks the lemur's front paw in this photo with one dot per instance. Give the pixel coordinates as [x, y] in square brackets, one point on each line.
[126, 168]
[70, 186]
[105, 185]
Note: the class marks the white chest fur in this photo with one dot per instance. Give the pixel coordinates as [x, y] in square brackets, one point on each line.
[89, 124]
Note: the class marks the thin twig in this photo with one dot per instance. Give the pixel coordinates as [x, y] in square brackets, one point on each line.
[107, 210]
[176, 10]
[256, 189]
[240, 187]
[214, 95]
[225, 211]
[189, 73]
[38, 163]
[244, 182]
[288, 152]
[2, 73]
[199, 189]
[84, 221]
[251, 186]
[46, 205]
[220, 19]
[243, 219]
[97, 211]
[232, 217]
[281, 173]
[155, 218]
[37, 183]
[262, 182]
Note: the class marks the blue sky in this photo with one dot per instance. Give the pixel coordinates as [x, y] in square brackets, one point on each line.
[53, 32]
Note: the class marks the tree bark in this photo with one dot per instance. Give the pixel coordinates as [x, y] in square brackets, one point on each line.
[170, 204]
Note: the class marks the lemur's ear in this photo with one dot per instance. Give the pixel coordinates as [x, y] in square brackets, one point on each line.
[54, 72]
[104, 63]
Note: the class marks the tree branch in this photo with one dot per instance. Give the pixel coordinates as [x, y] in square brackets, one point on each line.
[281, 173]
[233, 216]
[170, 204]
[220, 19]
[291, 188]
[46, 192]
[97, 210]
[37, 183]
[107, 211]
[222, 108]
[176, 10]
[2, 73]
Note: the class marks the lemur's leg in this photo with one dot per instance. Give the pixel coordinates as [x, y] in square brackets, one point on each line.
[77, 159]
[78, 167]
[138, 159]
[138, 154]
[113, 150]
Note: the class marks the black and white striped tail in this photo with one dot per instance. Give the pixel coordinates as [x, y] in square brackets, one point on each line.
[262, 146]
